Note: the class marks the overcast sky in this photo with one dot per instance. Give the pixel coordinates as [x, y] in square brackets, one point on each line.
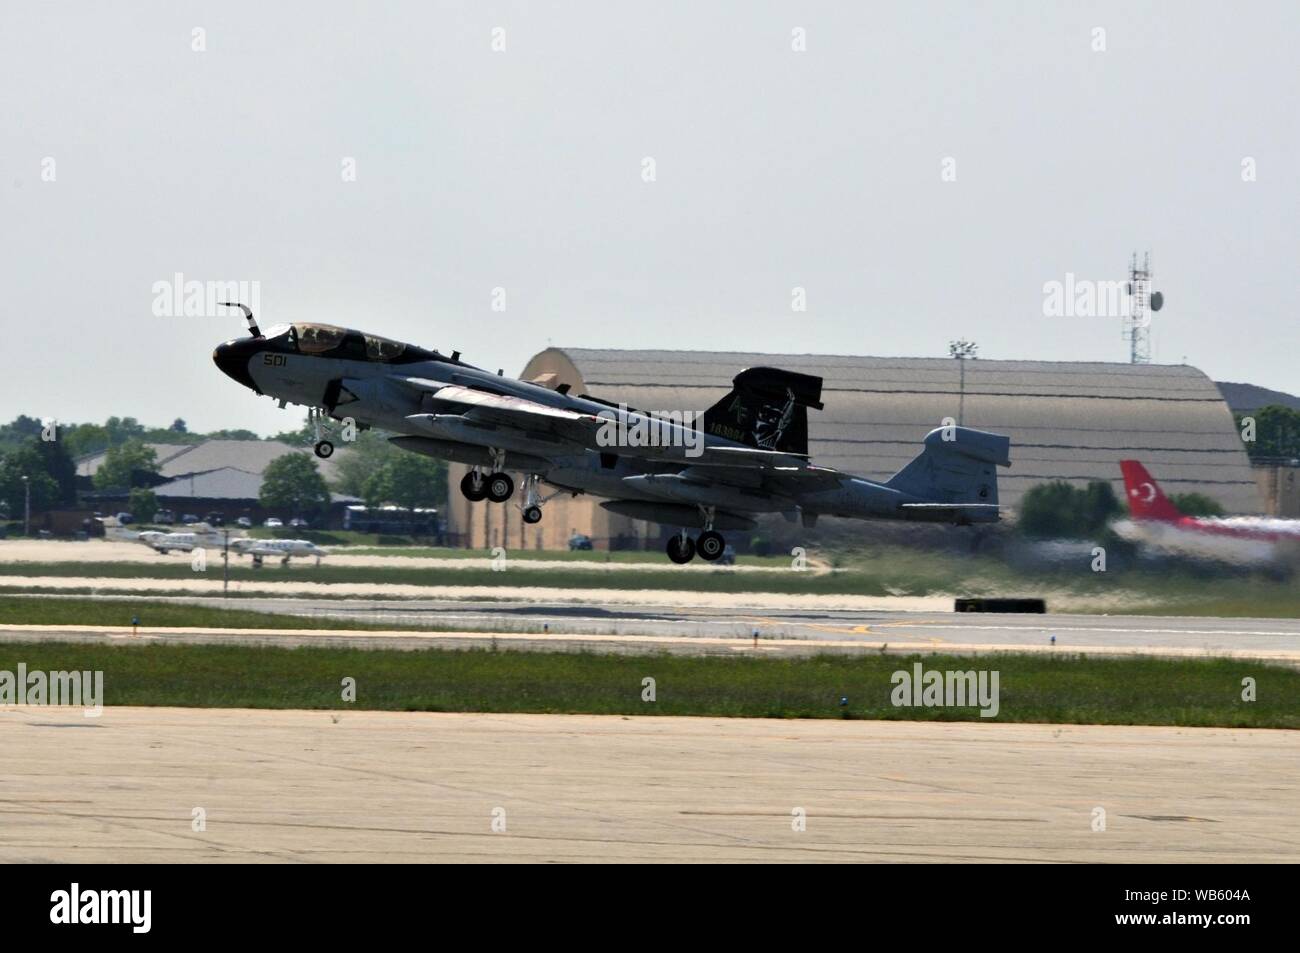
[523, 169]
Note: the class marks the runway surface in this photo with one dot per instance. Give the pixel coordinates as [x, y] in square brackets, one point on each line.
[300, 786]
[699, 630]
[61, 551]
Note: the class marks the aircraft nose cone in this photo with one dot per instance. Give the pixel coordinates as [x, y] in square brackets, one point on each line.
[232, 359]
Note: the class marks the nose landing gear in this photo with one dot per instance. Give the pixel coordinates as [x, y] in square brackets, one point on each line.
[324, 448]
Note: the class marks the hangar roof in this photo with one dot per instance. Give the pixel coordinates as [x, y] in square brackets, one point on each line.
[89, 463]
[223, 483]
[251, 455]
[176, 460]
[1066, 420]
[226, 483]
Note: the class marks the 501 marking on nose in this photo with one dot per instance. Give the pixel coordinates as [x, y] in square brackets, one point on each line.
[275, 360]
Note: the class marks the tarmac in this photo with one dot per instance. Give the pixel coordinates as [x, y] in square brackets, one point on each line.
[213, 786]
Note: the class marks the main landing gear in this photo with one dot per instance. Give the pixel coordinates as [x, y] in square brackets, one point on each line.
[497, 486]
[709, 545]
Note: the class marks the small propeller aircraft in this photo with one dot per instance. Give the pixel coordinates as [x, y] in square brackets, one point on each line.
[750, 456]
[284, 549]
[199, 535]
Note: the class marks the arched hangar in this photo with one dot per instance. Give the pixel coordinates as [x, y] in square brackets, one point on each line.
[1067, 421]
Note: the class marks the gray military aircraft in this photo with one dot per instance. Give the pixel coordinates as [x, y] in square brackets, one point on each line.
[750, 456]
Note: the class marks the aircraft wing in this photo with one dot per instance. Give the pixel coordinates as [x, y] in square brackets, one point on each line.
[499, 408]
[480, 407]
[527, 416]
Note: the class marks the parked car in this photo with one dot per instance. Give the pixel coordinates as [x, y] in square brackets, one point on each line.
[244, 521]
[272, 522]
[164, 517]
[215, 518]
[579, 541]
[125, 518]
[189, 519]
[298, 523]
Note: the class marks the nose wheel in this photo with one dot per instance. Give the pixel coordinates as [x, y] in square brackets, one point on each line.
[324, 449]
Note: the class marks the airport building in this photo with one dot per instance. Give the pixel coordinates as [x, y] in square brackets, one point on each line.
[214, 476]
[1067, 421]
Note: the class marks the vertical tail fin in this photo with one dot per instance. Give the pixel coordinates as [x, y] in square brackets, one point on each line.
[766, 408]
[1146, 501]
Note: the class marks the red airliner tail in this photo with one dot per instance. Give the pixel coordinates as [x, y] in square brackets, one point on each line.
[1146, 501]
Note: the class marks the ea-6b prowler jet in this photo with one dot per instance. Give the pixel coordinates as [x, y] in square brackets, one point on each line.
[750, 457]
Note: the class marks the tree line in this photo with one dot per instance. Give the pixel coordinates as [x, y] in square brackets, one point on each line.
[369, 468]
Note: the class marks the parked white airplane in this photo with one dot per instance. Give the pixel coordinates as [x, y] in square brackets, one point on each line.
[283, 548]
[201, 534]
[116, 532]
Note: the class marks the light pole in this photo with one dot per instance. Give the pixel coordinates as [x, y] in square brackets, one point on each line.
[27, 505]
[963, 351]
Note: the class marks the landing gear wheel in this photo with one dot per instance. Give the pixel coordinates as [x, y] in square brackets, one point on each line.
[324, 449]
[499, 487]
[710, 545]
[473, 486]
[532, 514]
[680, 549]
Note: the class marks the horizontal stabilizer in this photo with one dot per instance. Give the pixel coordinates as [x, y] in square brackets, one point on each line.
[956, 472]
[976, 444]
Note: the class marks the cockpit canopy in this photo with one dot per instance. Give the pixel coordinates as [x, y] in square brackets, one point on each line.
[326, 340]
